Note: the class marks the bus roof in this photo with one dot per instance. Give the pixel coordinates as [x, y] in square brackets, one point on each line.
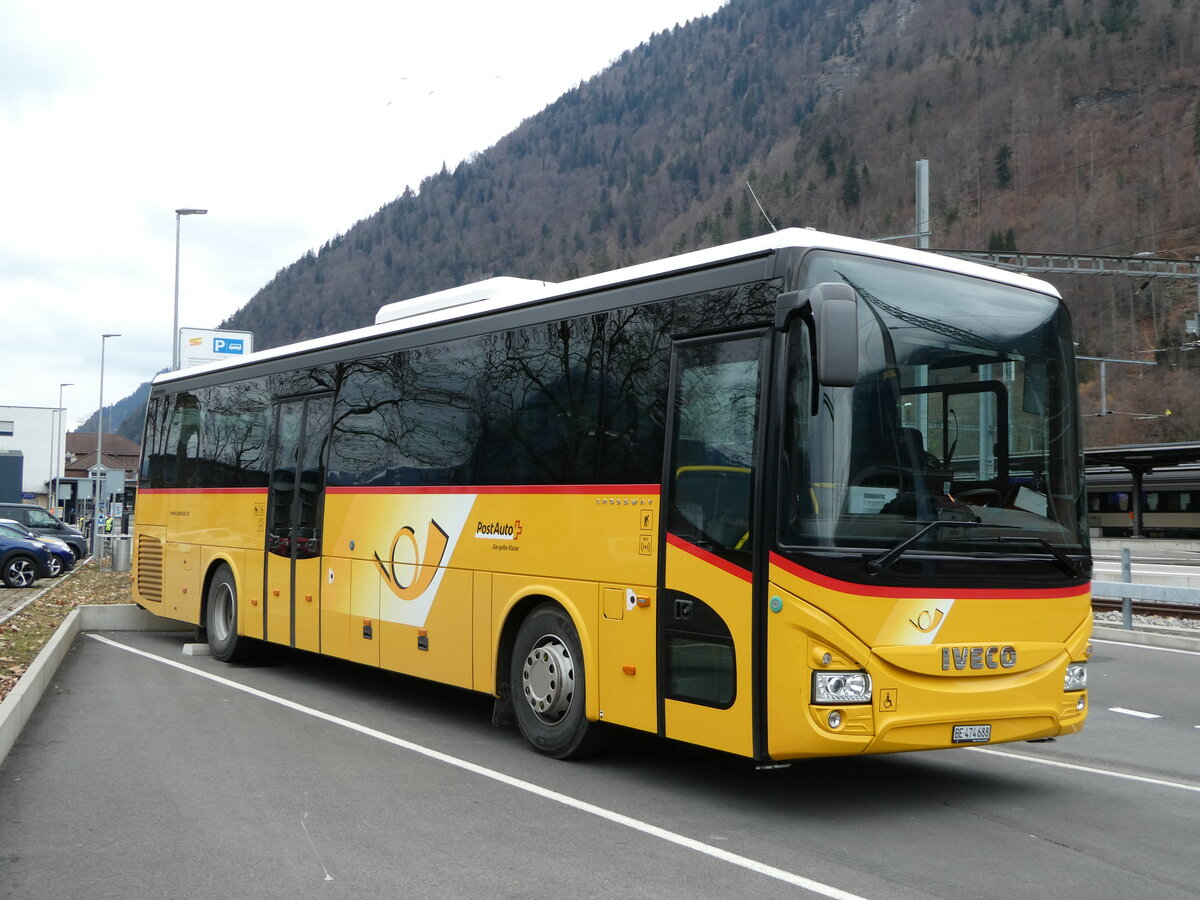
[499, 293]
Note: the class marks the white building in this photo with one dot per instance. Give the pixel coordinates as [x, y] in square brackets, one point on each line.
[32, 448]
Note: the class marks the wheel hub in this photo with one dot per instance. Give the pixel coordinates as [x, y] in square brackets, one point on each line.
[548, 679]
[224, 606]
[21, 573]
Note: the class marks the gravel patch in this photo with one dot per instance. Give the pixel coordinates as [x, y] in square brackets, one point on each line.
[1175, 624]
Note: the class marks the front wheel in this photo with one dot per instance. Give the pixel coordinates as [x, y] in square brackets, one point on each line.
[548, 685]
[56, 566]
[221, 618]
[19, 572]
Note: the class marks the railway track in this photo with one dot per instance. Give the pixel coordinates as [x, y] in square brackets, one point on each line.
[1146, 608]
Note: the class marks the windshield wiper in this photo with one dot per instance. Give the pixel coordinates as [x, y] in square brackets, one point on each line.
[879, 563]
[1069, 565]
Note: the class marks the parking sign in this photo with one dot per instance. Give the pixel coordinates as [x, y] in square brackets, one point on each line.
[200, 346]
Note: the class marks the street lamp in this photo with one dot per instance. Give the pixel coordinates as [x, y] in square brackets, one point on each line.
[56, 455]
[179, 214]
[99, 450]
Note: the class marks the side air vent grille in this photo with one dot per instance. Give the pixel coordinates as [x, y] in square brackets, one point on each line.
[149, 576]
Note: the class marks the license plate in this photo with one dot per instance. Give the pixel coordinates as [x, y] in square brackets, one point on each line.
[972, 734]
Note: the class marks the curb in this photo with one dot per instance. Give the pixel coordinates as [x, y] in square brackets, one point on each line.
[1147, 637]
[21, 701]
[48, 585]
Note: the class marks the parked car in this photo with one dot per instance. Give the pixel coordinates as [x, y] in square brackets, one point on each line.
[62, 557]
[22, 562]
[37, 519]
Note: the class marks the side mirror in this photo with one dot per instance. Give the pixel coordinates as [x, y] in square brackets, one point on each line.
[835, 318]
[833, 306]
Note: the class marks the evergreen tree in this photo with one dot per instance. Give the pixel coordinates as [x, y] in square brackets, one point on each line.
[1003, 172]
[851, 186]
[1002, 241]
[745, 222]
[825, 157]
[1120, 16]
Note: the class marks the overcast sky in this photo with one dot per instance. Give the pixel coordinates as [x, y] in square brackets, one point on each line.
[288, 121]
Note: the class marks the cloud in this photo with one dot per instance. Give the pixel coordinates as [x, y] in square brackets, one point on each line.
[288, 121]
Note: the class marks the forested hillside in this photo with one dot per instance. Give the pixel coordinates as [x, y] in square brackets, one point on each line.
[1065, 126]
[125, 417]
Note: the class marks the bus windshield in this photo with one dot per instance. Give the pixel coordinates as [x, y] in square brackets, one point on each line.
[963, 414]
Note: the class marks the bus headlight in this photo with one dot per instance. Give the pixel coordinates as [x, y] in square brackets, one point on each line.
[1076, 677]
[841, 687]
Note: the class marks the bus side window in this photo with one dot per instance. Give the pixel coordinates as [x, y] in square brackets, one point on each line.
[184, 440]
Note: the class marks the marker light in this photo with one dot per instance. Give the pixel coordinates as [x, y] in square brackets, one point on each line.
[841, 687]
[1076, 677]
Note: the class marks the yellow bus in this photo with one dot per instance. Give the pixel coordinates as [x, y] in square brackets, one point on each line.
[801, 495]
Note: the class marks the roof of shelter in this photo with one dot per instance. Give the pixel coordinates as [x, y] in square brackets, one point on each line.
[1144, 456]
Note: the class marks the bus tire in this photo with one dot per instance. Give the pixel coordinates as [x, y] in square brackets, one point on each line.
[220, 619]
[549, 685]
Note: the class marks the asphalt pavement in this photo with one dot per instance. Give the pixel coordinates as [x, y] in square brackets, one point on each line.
[148, 771]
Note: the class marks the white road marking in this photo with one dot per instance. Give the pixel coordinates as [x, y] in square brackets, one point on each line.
[1133, 712]
[1147, 647]
[1091, 770]
[313, 845]
[672, 837]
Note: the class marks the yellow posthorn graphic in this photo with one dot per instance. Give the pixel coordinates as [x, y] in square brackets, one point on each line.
[423, 572]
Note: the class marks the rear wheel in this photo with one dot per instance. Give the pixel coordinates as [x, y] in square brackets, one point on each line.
[19, 572]
[221, 618]
[548, 685]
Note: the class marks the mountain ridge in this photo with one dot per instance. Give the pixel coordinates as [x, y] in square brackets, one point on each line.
[1066, 126]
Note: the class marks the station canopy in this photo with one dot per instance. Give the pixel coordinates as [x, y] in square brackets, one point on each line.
[1139, 460]
[1144, 457]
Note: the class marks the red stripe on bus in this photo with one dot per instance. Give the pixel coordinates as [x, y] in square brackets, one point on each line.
[931, 593]
[231, 490]
[602, 489]
[711, 558]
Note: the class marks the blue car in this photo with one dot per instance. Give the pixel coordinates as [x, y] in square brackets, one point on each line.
[62, 557]
[22, 562]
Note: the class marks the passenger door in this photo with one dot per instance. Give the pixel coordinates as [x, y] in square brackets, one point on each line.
[706, 613]
[295, 511]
